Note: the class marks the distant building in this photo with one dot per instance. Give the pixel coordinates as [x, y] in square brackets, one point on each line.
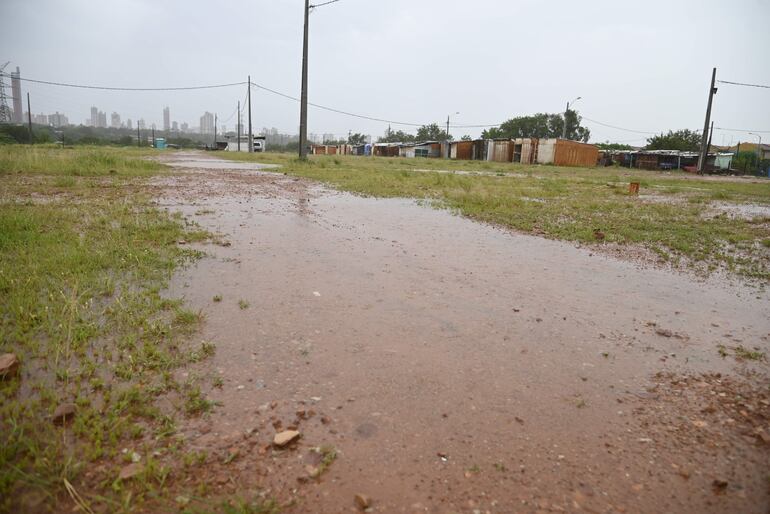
[40, 119]
[18, 110]
[166, 119]
[185, 127]
[115, 120]
[94, 117]
[57, 120]
[207, 123]
[102, 120]
[129, 125]
[141, 125]
[174, 126]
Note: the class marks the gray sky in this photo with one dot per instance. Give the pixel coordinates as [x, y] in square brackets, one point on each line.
[639, 65]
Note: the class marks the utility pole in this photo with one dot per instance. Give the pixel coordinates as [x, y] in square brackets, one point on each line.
[251, 136]
[153, 135]
[239, 125]
[564, 130]
[138, 135]
[704, 140]
[215, 131]
[303, 97]
[711, 134]
[29, 119]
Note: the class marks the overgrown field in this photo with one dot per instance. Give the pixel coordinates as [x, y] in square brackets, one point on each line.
[84, 256]
[700, 223]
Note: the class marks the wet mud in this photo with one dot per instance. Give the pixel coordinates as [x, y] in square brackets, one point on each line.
[458, 367]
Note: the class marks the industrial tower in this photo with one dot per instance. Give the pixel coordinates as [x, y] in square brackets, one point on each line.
[5, 111]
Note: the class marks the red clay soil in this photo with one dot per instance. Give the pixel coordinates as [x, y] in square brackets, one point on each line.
[458, 367]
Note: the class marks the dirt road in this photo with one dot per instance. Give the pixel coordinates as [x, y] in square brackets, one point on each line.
[457, 367]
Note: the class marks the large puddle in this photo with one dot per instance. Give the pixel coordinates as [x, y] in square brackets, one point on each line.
[454, 366]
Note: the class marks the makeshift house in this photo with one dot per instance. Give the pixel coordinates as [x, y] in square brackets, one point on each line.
[386, 149]
[406, 150]
[525, 150]
[563, 152]
[430, 149]
[663, 159]
[462, 150]
[499, 150]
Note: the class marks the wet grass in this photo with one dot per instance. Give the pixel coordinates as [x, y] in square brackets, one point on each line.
[676, 218]
[84, 256]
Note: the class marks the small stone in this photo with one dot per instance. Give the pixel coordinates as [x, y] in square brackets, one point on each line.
[286, 437]
[363, 502]
[664, 332]
[131, 471]
[9, 366]
[719, 485]
[63, 413]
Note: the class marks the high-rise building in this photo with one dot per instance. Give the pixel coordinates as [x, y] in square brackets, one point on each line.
[40, 119]
[102, 119]
[58, 120]
[129, 125]
[18, 110]
[115, 120]
[174, 126]
[141, 125]
[185, 127]
[207, 123]
[166, 119]
[94, 117]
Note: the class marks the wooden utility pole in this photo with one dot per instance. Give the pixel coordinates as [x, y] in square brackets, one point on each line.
[705, 139]
[251, 135]
[303, 98]
[138, 135]
[153, 135]
[239, 126]
[215, 131]
[29, 119]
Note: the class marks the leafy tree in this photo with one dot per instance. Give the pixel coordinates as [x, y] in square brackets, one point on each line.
[357, 139]
[396, 137]
[466, 137]
[614, 146]
[432, 132]
[684, 140]
[540, 125]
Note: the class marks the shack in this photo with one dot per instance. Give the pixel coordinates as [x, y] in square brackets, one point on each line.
[431, 149]
[525, 150]
[462, 150]
[386, 149]
[563, 152]
[406, 150]
[500, 150]
[663, 159]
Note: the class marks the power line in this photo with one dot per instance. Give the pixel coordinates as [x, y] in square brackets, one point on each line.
[742, 84]
[616, 127]
[338, 111]
[109, 88]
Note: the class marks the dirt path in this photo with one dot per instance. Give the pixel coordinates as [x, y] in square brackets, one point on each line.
[456, 367]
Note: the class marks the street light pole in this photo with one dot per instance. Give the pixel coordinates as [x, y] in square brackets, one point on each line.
[564, 131]
[448, 150]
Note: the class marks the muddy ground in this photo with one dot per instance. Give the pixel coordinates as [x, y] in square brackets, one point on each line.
[458, 367]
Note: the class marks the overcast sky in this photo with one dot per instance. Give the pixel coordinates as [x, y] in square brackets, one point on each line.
[643, 66]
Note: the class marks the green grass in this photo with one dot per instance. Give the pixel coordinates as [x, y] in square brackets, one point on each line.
[66, 163]
[84, 256]
[674, 218]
